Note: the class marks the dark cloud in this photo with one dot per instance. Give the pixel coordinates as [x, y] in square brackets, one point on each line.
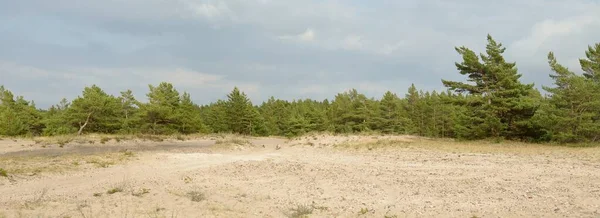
[287, 49]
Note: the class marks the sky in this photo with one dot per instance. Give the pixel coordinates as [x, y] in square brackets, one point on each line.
[292, 49]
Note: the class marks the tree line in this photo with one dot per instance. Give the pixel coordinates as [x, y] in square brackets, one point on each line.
[492, 103]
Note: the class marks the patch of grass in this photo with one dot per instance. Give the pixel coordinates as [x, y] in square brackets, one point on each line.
[232, 141]
[101, 163]
[300, 211]
[98, 194]
[63, 141]
[114, 190]
[128, 153]
[180, 138]
[370, 145]
[363, 211]
[140, 192]
[154, 138]
[196, 196]
[3, 172]
[104, 140]
[187, 179]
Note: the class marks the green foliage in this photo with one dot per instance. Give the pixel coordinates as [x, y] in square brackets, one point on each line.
[492, 103]
[499, 104]
[242, 117]
[94, 111]
[55, 120]
[591, 65]
[572, 111]
[18, 116]
[3, 173]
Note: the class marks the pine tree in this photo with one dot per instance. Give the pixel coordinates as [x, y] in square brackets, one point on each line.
[572, 107]
[159, 116]
[275, 113]
[392, 115]
[349, 112]
[497, 98]
[18, 116]
[96, 110]
[55, 119]
[214, 117]
[242, 116]
[415, 112]
[591, 65]
[129, 109]
[188, 116]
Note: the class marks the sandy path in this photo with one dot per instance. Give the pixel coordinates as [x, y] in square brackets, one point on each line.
[265, 182]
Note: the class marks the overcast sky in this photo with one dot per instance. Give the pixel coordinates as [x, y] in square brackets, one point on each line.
[287, 49]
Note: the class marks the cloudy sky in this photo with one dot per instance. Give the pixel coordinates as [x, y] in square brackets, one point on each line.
[288, 49]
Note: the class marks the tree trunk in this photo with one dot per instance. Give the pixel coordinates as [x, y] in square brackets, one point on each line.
[84, 124]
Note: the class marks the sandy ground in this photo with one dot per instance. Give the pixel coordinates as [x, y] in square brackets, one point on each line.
[324, 175]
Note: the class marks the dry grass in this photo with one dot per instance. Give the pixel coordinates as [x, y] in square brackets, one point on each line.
[375, 144]
[53, 164]
[586, 152]
[300, 211]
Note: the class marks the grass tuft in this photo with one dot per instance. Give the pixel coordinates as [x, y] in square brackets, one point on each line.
[104, 140]
[114, 190]
[141, 192]
[196, 196]
[300, 211]
[232, 141]
[3, 172]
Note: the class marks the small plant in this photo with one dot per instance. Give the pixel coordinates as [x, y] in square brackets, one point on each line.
[3, 172]
[141, 192]
[300, 211]
[91, 141]
[363, 211]
[187, 179]
[128, 153]
[390, 216]
[101, 163]
[63, 141]
[180, 138]
[234, 141]
[104, 140]
[98, 194]
[114, 190]
[196, 196]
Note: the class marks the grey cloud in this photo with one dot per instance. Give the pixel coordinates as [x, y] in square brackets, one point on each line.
[288, 49]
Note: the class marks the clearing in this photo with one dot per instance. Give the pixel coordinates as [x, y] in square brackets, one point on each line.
[318, 176]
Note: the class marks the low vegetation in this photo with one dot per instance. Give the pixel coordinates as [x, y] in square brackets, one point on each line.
[34, 165]
[196, 196]
[300, 211]
[114, 190]
[232, 141]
